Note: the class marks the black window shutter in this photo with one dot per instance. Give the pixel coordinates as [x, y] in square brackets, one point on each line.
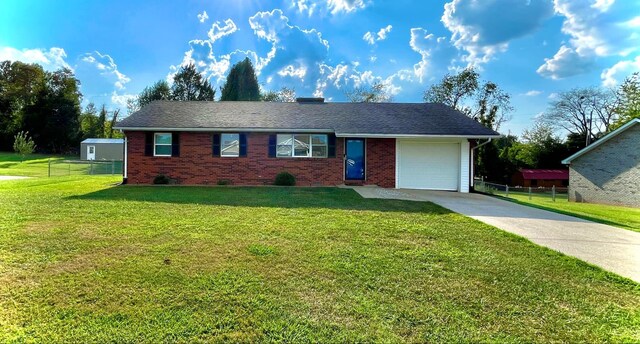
[148, 144]
[243, 144]
[272, 146]
[331, 151]
[215, 145]
[175, 144]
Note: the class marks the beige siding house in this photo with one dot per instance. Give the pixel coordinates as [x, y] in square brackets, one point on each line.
[608, 171]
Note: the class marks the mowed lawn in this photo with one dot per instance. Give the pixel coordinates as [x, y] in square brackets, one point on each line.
[82, 260]
[623, 217]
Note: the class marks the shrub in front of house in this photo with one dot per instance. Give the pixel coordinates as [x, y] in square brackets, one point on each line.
[285, 179]
[224, 182]
[161, 179]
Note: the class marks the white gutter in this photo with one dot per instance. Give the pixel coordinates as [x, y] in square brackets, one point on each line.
[416, 136]
[125, 162]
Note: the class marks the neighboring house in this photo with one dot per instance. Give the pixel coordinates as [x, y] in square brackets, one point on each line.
[102, 149]
[425, 146]
[540, 178]
[608, 171]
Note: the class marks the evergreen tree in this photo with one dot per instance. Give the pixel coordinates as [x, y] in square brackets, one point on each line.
[102, 119]
[158, 91]
[242, 83]
[189, 84]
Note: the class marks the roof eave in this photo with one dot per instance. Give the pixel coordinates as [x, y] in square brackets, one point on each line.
[317, 130]
[416, 136]
[604, 139]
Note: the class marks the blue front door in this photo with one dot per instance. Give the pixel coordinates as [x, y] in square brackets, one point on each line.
[354, 162]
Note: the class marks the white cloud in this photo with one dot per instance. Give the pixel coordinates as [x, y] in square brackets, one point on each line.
[328, 6]
[121, 99]
[107, 67]
[52, 59]
[371, 37]
[533, 93]
[565, 63]
[436, 53]
[218, 31]
[614, 75]
[202, 17]
[476, 30]
[602, 5]
[290, 45]
[201, 52]
[597, 28]
[292, 71]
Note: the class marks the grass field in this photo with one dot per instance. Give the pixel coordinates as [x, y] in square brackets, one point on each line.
[82, 260]
[623, 217]
[38, 165]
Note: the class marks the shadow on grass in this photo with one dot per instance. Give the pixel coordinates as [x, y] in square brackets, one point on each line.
[568, 213]
[279, 197]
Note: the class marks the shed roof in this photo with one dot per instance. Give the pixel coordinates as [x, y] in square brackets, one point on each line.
[345, 119]
[92, 140]
[545, 174]
[601, 141]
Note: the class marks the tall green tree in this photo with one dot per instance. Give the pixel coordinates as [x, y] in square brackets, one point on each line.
[102, 120]
[241, 83]
[158, 91]
[20, 84]
[453, 90]
[485, 102]
[189, 84]
[53, 118]
[628, 95]
[89, 122]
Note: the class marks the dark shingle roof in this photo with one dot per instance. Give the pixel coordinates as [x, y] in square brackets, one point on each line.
[341, 118]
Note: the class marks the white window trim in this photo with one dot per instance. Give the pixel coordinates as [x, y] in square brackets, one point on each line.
[222, 146]
[310, 155]
[155, 135]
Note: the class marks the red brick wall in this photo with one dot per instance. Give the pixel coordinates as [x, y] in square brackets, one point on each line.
[196, 165]
[381, 162]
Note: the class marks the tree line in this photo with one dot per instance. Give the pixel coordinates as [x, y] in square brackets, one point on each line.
[47, 106]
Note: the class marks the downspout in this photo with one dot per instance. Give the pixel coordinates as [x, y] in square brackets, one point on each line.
[125, 162]
[471, 175]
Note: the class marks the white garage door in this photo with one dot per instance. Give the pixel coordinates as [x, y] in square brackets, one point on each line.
[434, 166]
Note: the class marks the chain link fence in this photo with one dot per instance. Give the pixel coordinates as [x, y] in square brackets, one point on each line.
[83, 167]
[553, 193]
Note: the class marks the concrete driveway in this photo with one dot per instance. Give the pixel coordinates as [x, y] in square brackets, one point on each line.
[11, 177]
[612, 248]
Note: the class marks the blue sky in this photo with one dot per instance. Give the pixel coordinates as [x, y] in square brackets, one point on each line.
[532, 49]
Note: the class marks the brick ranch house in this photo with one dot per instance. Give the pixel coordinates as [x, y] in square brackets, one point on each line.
[393, 145]
[608, 170]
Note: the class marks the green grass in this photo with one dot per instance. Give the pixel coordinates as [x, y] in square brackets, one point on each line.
[623, 217]
[37, 165]
[82, 260]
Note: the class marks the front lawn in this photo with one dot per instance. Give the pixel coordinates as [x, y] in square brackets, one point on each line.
[82, 260]
[624, 217]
